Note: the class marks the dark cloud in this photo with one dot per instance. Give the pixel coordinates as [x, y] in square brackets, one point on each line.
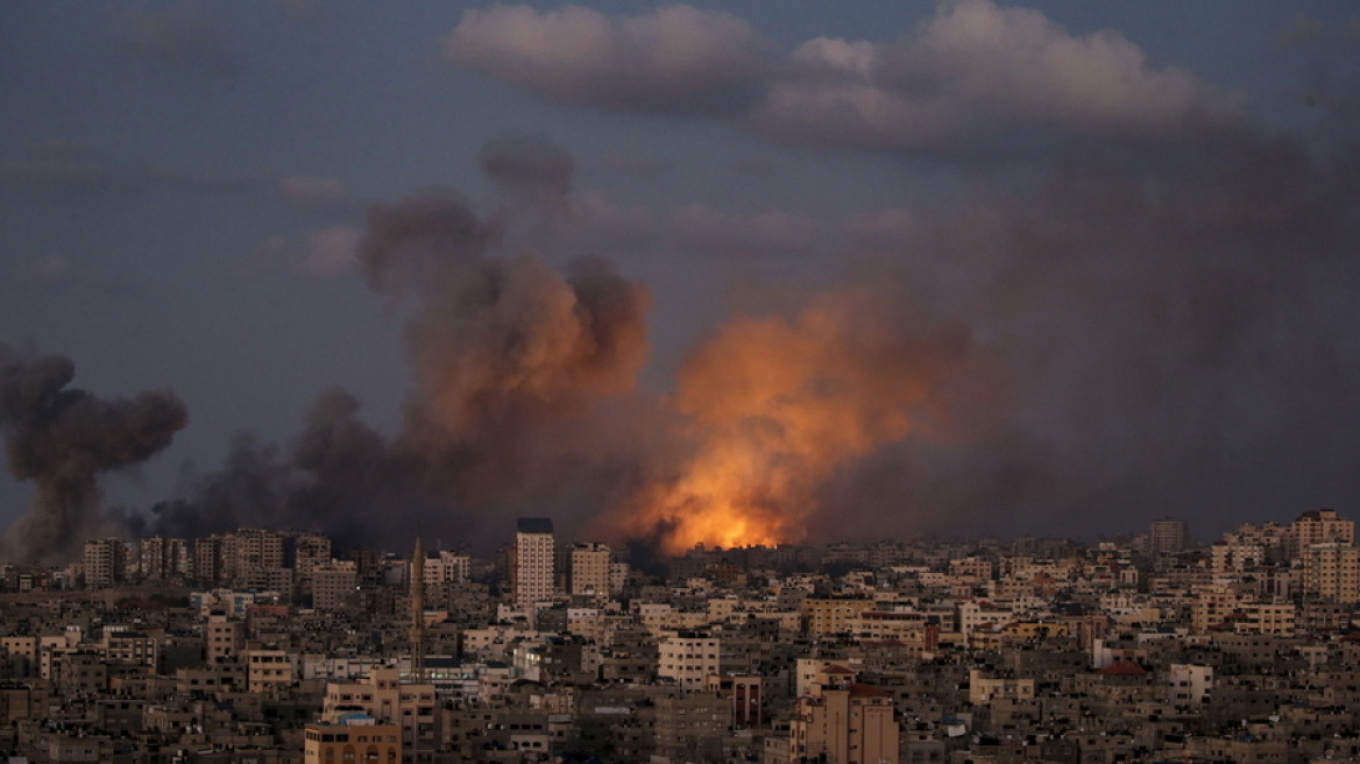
[531, 171]
[1175, 337]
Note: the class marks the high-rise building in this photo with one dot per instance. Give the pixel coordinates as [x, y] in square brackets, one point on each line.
[590, 571]
[333, 585]
[208, 560]
[253, 558]
[1331, 573]
[162, 558]
[103, 562]
[1319, 526]
[532, 569]
[309, 552]
[1168, 536]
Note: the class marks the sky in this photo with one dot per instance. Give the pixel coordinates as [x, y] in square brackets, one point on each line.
[740, 272]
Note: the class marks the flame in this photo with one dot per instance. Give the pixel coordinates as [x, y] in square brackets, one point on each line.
[777, 405]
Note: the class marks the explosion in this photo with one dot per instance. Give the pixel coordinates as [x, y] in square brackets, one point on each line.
[778, 405]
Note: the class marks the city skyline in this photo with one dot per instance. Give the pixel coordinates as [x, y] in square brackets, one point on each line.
[680, 273]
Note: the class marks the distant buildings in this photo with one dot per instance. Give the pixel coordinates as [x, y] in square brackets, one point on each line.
[1319, 526]
[1168, 536]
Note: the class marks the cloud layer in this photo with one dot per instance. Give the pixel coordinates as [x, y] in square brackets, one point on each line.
[674, 60]
[976, 75]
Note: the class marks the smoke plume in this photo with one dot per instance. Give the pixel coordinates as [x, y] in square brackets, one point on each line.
[1130, 332]
[61, 438]
[522, 372]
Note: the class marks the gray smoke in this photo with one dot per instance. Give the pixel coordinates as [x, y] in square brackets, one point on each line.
[61, 438]
[1165, 329]
[1178, 335]
[520, 369]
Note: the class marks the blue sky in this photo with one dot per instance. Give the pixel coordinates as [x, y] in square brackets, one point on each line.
[184, 186]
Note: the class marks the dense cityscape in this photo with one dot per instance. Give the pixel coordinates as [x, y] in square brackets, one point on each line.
[264, 646]
[679, 382]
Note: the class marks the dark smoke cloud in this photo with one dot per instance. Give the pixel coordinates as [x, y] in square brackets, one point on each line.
[530, 170]
[522, 372]
[1148, 330]
[61, 438]
[1178, 333]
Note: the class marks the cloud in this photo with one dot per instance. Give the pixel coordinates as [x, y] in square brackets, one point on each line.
[184, 36]
[977, 74]
[321, 253]
[677, 60]
[530, 170]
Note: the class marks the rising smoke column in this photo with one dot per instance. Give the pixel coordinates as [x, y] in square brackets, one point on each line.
[62, 438]
[514, 362]
[509, 354]
[778, 404]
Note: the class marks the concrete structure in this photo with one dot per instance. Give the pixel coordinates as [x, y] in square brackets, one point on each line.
[333, 585]
[253, 558]
[844, 723]
[354, 738]
[1331, 572]
[223, 638]
[386, 698]
[590, 571]
[1168, 536]
[533, 562]
[689, 659]
[104, 559]
[1319, 526]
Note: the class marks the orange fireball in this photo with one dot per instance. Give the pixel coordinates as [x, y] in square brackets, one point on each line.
[776, 405]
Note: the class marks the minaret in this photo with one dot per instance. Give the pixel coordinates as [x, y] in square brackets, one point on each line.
[418, 613]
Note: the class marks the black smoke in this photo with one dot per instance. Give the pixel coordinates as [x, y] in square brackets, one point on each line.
[61, 438]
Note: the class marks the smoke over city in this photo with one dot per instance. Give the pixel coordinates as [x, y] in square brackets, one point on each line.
[1115, 337]
[61, 438]
[514, 363]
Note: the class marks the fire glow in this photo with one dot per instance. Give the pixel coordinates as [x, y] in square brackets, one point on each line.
[777, 405]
